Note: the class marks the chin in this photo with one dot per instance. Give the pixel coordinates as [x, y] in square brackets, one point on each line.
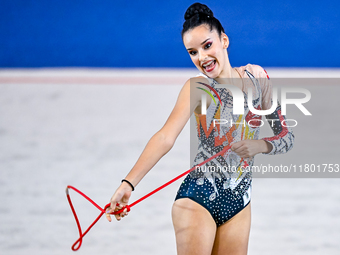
[212, 75]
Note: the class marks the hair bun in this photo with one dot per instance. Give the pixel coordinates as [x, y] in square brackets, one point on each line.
[197, 8]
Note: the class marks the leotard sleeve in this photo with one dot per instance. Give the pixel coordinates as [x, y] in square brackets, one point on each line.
[283, 138]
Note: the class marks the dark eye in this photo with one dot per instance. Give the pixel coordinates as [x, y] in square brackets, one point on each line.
[207, 46]
[192, 52]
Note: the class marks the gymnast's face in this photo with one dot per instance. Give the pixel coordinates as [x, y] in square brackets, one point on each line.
[207, 50]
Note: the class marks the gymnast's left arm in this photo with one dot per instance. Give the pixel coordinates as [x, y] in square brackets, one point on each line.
[283, 138]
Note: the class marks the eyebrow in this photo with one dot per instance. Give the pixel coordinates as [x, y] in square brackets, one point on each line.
[201, 43]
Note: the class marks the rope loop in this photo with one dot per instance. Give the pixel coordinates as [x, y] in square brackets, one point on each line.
[79, 241]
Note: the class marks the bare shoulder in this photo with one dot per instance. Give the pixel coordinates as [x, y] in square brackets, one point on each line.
[199, 82]
[256, 70]
[195, 82]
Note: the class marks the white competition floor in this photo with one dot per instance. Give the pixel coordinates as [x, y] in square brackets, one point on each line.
[87, 127]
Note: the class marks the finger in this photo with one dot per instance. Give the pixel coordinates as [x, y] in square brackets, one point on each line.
[236, 146]
[243, 153]
[120, 215]
[108, 217]
[113, 206]
[120, 211]
[239, 149]
[125, 213]
[107, 214]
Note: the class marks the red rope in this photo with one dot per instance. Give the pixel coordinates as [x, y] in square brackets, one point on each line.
[78, 243]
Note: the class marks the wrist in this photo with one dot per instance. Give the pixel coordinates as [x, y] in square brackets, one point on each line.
[266, 147]
[129, 184]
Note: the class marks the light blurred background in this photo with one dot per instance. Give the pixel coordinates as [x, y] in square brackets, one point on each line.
[85, 84]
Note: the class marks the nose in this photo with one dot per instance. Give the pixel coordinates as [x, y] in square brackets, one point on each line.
[201, 56]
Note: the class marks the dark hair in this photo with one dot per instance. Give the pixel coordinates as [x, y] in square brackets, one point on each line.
[198, 14]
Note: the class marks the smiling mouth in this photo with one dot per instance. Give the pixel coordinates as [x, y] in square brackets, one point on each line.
[209, 66]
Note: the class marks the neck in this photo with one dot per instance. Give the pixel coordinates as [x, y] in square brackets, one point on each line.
[229, 75]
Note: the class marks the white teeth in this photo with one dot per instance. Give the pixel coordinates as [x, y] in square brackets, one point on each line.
[209, 63]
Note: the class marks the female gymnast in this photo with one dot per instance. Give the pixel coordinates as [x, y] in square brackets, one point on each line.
[211, 212]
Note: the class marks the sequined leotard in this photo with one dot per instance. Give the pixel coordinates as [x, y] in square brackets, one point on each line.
[223, 185]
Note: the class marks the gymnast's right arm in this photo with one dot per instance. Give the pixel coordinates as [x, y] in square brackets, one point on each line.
[159, 144]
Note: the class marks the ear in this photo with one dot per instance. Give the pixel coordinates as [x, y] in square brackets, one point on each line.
[225, 41]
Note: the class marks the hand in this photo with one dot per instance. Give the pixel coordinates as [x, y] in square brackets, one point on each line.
[120, 197]
[249, 148]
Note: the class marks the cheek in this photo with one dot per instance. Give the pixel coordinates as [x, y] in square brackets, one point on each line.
[220, 56]
[195, 60]
[215, 52]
